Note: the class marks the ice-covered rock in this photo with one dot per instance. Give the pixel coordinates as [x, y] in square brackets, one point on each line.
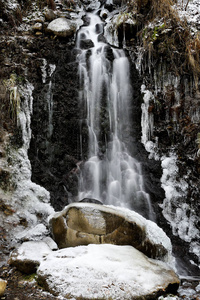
[32, 234]
[105, 272]
[62, 27]
[93, 5]
[120, 27]
[29, 255]
[88, 223]
[50, 242]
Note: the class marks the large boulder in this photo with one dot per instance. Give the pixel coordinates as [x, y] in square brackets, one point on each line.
[62, 27]
[105, 272]
[88, 223]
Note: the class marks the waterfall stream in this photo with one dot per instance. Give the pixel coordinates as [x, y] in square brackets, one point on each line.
[110, 174]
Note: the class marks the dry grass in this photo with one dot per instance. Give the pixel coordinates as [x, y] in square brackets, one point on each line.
[51, 4]
[168, 36]
[154, 8]
[193, 57]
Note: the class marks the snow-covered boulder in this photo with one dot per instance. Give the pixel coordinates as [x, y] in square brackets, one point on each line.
[88, 223]
[29, 255]
[105, 272]
[62, 27]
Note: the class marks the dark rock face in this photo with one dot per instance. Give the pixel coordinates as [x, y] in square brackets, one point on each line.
[89, 200]
[55, 148]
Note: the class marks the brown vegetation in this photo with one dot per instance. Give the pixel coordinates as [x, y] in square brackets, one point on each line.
[51, 4]
[168, 37]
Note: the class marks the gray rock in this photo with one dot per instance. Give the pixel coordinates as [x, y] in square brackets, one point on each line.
[91, 200]
[86, 44]
[37, 26]
[49, 15]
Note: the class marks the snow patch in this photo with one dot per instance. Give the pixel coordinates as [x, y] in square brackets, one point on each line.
[191, 14]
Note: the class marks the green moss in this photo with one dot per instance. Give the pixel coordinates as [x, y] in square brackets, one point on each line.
[30, 277]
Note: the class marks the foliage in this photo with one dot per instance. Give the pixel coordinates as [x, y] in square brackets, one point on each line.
[193, 57]
[154, 8]
[30, 277]
[25, 4]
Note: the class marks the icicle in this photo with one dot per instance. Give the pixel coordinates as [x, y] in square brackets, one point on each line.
[43, 69]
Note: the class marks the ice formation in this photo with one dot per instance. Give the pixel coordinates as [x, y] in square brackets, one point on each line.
[29, 199]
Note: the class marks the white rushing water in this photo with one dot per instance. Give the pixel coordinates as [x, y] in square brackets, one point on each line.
[110, 174]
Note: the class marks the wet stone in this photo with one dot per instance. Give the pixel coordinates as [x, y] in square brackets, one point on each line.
[99, 28]
[86, 44]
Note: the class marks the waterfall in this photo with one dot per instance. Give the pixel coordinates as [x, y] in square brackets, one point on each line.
[110, 174]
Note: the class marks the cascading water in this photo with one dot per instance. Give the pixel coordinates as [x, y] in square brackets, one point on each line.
[110, 174]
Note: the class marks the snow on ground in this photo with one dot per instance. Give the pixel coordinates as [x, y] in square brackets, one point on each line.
[192, 13]
[11, 4]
